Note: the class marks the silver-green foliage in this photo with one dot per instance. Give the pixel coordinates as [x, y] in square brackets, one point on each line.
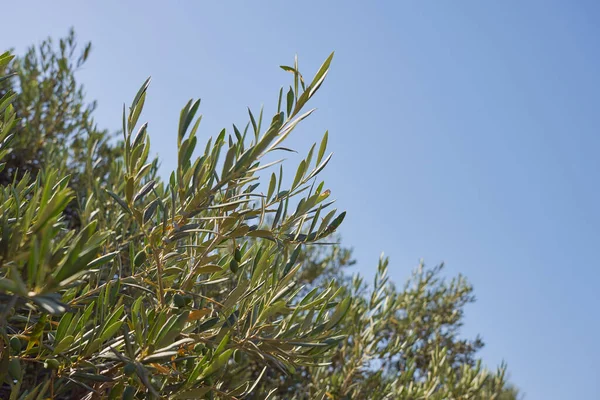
[208, 285]
[168, 285]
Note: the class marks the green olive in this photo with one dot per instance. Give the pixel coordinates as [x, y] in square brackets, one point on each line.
[14, 369]
[178, 300]
[15, 344]
[129, 369]
[129, 393]
[233, 266]
[51, 363]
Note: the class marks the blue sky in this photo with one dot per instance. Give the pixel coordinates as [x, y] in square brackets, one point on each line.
[464, 132]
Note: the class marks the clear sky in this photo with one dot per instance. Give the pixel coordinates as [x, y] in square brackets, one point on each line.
[463, 131]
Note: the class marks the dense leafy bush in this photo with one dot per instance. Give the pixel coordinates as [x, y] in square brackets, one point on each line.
[117, 284]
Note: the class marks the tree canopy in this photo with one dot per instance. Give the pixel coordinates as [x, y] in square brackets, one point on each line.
[211, 282]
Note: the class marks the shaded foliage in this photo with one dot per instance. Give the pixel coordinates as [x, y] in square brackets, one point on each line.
[55, 124]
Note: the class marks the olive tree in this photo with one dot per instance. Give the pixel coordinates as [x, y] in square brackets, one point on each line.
[212, 283]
